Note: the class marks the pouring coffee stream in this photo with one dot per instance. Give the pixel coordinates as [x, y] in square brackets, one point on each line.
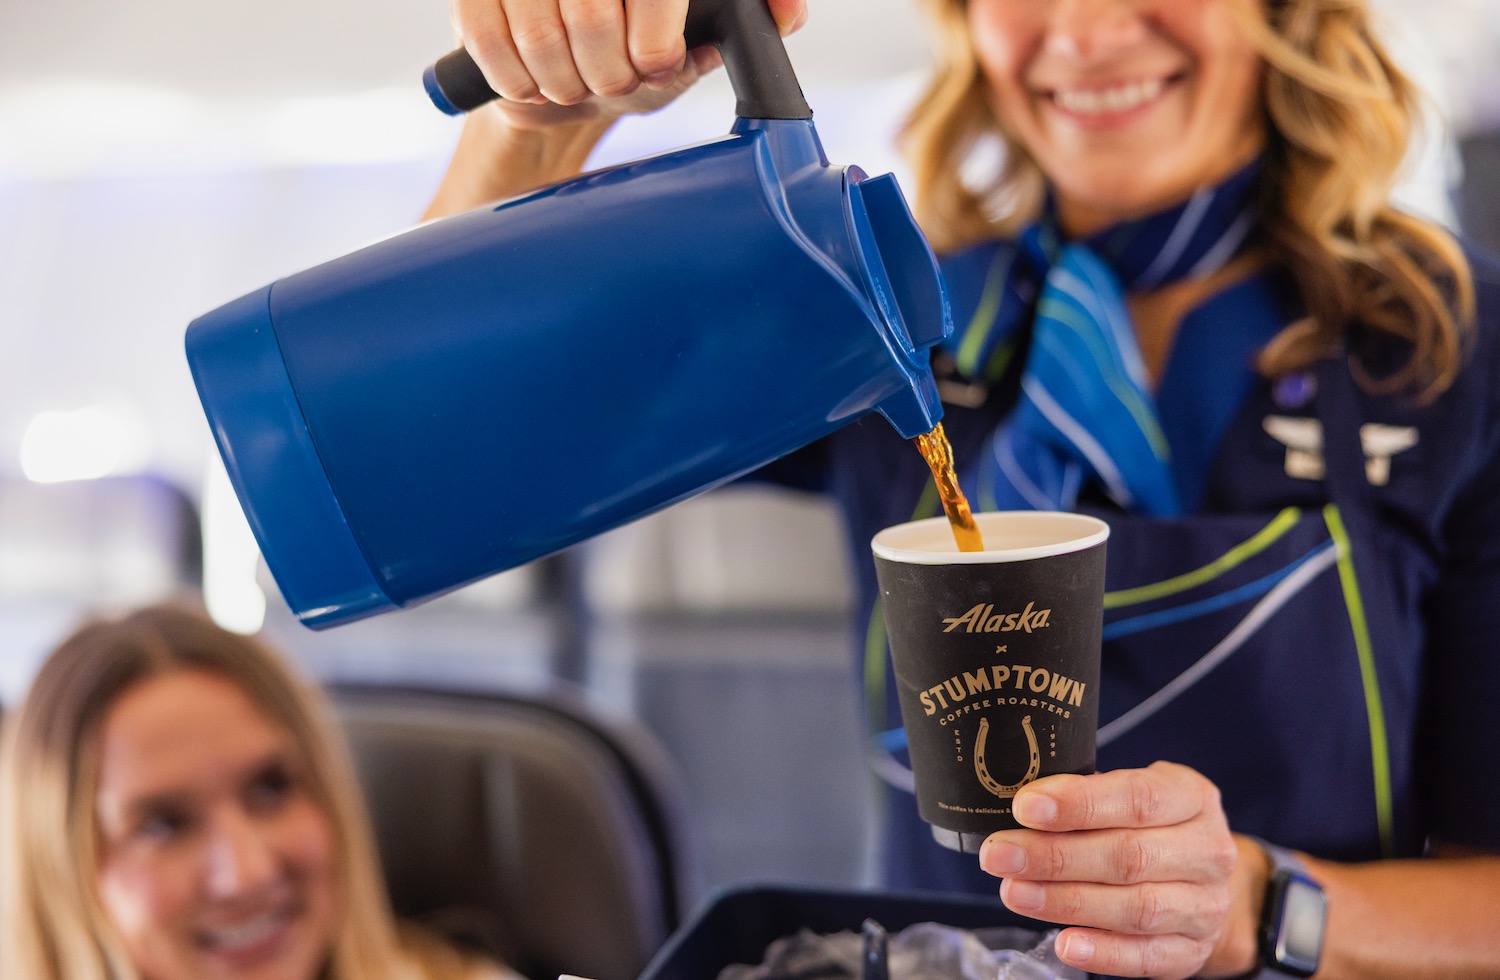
[938, 452]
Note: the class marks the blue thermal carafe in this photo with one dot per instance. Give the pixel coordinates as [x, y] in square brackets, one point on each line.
[489, 388]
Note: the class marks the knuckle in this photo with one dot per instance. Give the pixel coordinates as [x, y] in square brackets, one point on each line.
[1154, 956]
[1138, 859]
[539, 35]
[1149, 910]
[1218, 906]
[617, 86]
[1054, 861]
[592, 16]
[1175, 771]
[1065, 904]
[1224, 857]
[1212, 799]
[488, 45]
[1146, 801]
[651, 55]
[566, 94]
[1082, 806]
[492, 52]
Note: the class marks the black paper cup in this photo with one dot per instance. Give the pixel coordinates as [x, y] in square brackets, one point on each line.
[996, 657]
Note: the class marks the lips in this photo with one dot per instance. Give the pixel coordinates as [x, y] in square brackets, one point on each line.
[1103, 101]
[248, 940]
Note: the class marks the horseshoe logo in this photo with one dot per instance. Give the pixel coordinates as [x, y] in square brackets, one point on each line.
[982, 771]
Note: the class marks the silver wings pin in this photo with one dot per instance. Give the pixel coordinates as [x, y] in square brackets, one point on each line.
[1303, 439]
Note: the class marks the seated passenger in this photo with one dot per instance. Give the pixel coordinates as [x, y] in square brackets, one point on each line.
[175, 804]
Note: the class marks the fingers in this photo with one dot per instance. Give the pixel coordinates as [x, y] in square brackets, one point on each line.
[1197, 851]
[595, 34]
[541, 39]
[565, 51]
[1165, 930]
[486, 34]
[1141, 859]
[1160, 795]
[1151, 909]
[1172, 957]
[654, 39]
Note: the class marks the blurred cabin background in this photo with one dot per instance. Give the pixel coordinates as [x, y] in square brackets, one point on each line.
[160, 157]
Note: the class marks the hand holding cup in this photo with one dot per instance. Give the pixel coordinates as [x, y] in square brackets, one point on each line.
[1141, 860]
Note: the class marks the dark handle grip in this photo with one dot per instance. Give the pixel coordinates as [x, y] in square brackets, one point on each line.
[765, 87]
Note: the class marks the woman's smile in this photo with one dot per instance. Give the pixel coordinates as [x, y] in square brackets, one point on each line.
[1127, 106]
[249, 941]
[1094, 103]
[1107, 105]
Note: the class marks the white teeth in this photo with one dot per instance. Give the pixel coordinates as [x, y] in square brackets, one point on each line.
[244, 934]
[1090, 102]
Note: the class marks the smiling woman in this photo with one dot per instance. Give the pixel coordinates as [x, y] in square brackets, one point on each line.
[1111, 110]
[213, 854]
[1127, 113]
[177, 806]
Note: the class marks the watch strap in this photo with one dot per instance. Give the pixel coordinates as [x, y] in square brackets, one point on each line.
[1281, 860]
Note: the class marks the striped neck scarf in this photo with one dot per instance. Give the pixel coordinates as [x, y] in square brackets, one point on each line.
[1085, 411]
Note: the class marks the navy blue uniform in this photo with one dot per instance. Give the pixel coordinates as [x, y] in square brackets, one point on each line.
[1320, 636]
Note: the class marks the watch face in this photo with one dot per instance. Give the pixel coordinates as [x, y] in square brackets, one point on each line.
[1298, 936]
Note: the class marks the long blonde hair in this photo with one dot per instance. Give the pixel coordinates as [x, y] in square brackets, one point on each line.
[54, 925]
[1339, 117]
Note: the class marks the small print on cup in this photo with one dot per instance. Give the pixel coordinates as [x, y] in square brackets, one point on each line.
[996, 658]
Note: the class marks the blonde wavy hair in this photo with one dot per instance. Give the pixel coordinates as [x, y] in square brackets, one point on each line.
[52, 922]
[1339, 118]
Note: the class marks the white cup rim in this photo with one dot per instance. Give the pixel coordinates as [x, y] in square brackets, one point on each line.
[1045, 533]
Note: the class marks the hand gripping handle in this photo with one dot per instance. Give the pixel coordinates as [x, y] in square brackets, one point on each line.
[765, 87]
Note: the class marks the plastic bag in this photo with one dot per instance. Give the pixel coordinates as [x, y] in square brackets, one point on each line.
[925, 951]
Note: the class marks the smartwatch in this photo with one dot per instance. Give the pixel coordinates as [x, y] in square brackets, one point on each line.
[1292, 920]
